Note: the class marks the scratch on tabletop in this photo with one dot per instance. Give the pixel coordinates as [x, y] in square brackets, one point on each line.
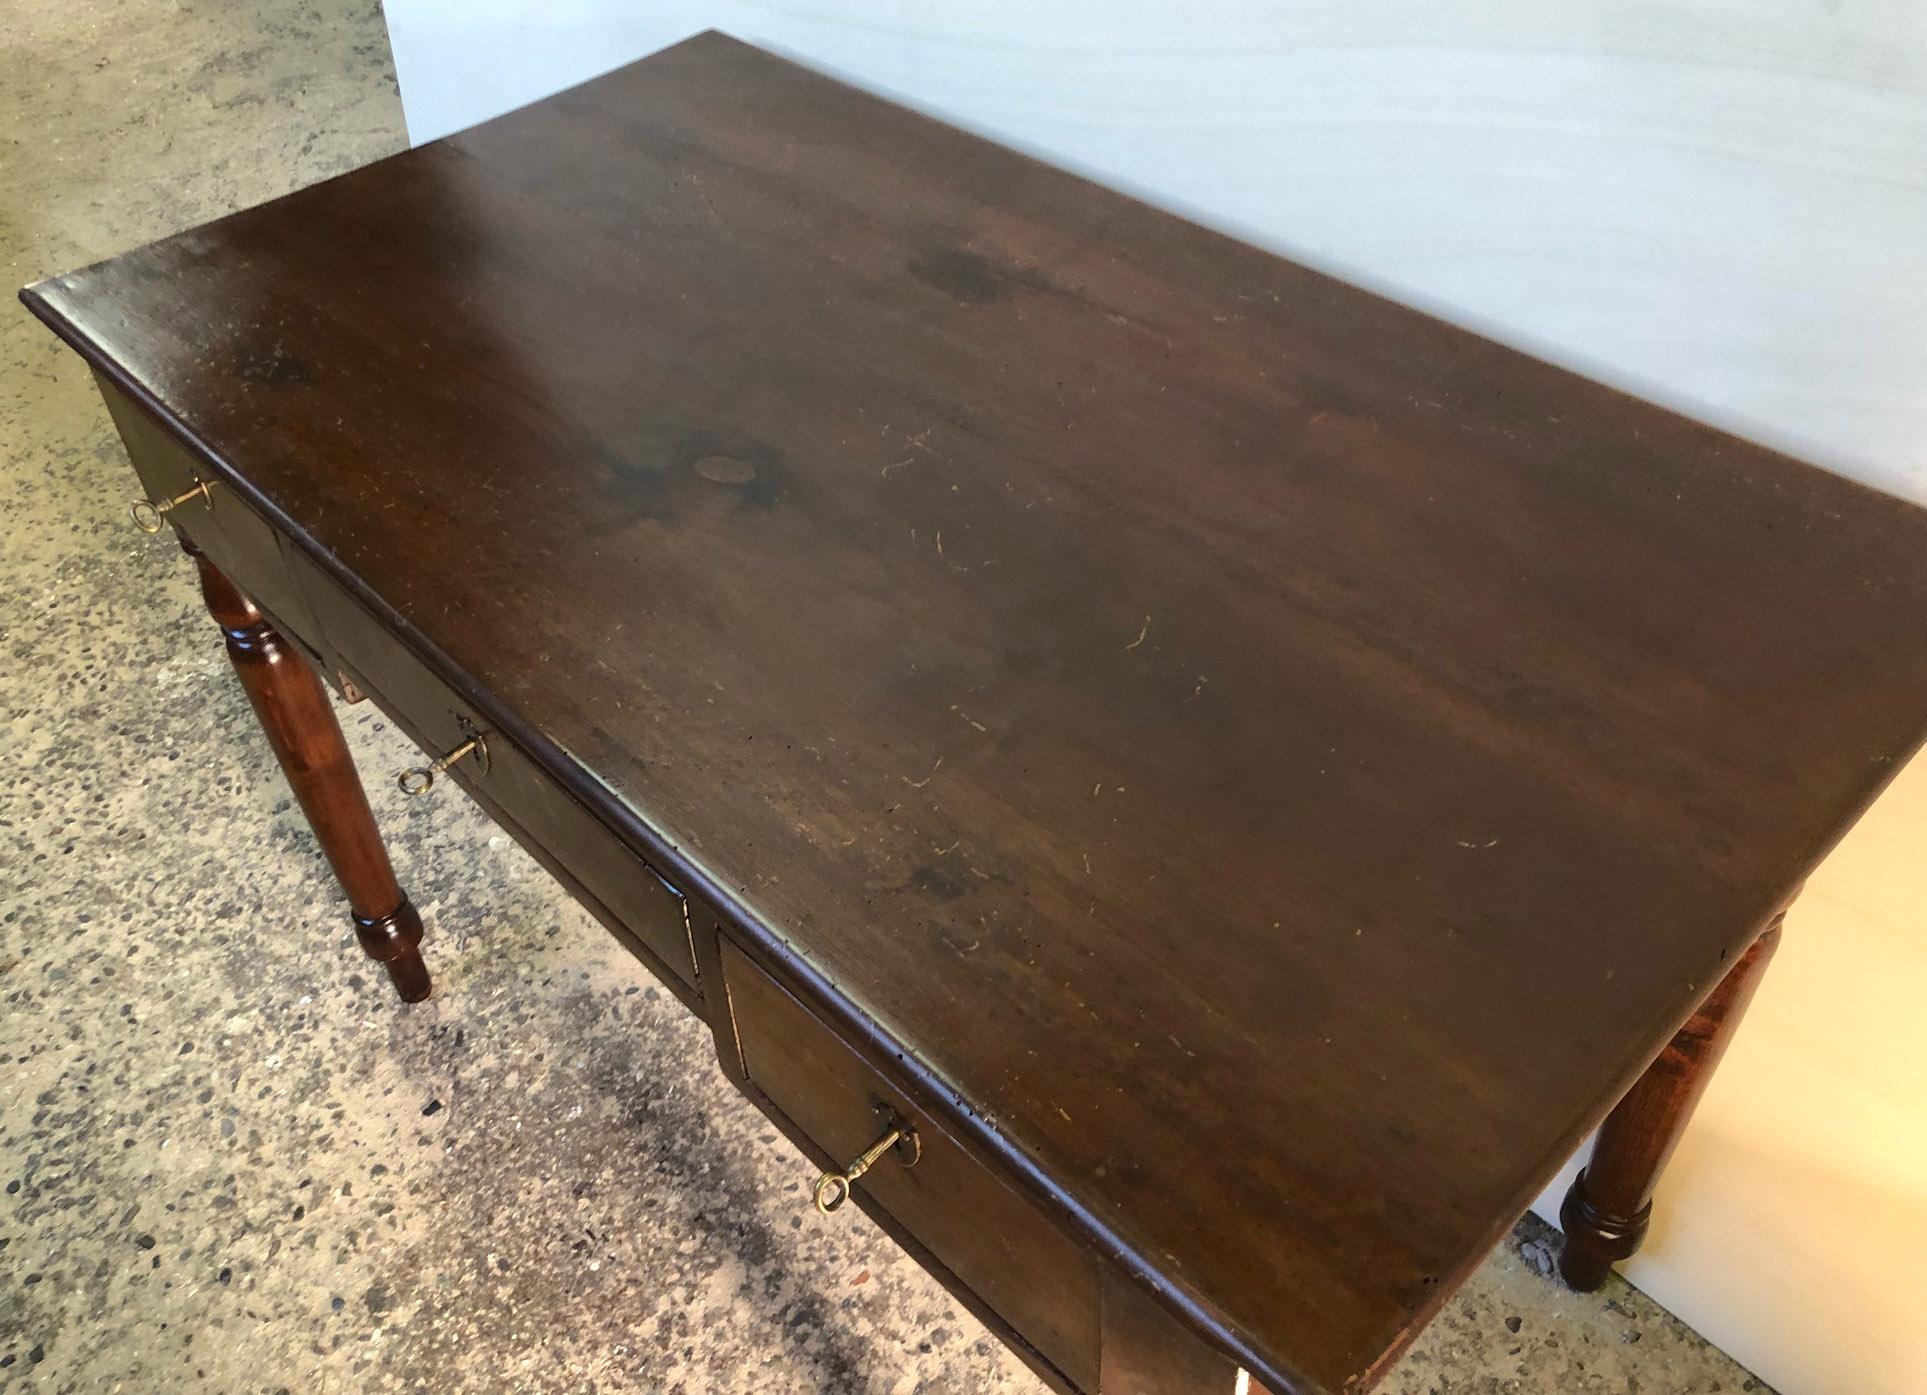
[968, 718]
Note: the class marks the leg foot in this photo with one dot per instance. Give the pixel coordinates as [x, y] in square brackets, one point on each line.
[1606, 1213]
[393, 939]
[300, 725]
[1595, 1239]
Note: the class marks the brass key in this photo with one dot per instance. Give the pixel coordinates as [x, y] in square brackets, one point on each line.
[833, 1188]
[148, 513]
[421, 779]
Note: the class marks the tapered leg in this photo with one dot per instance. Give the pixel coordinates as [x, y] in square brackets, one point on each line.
[1611, 1202]
[299, 720]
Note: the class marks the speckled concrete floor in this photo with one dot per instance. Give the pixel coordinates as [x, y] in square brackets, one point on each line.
[231, 1161]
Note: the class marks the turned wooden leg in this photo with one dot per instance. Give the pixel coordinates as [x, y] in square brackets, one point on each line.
[1611, 1202]
[299, 719]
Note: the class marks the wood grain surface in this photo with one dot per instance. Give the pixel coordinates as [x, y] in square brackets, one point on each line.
[1283, 763]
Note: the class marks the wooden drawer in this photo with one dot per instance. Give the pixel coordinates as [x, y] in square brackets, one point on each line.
[993, 1241]
[235, 538]
[542, 815]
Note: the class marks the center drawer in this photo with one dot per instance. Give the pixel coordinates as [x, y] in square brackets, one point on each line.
[533, 806]
[994, 1241]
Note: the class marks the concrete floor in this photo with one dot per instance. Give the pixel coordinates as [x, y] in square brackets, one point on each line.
[231, 1161]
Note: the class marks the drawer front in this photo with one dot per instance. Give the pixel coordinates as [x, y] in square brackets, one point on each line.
[994, 1241]
[235, 538]
[546, 813]
[633, 891]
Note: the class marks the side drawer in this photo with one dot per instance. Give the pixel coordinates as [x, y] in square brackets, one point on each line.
[993, 1240]
[544, 813]
[235, 538]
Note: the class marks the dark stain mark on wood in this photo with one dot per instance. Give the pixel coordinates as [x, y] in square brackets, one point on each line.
[963, 276]
[675, 469]
[752, 469]
[937, 882]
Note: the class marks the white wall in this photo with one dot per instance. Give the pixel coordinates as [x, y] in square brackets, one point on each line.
[1721, 204]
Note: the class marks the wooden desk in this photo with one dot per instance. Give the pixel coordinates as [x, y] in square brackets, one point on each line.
[1247, 774]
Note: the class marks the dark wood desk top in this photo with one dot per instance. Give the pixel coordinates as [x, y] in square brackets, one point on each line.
[1284, 763]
